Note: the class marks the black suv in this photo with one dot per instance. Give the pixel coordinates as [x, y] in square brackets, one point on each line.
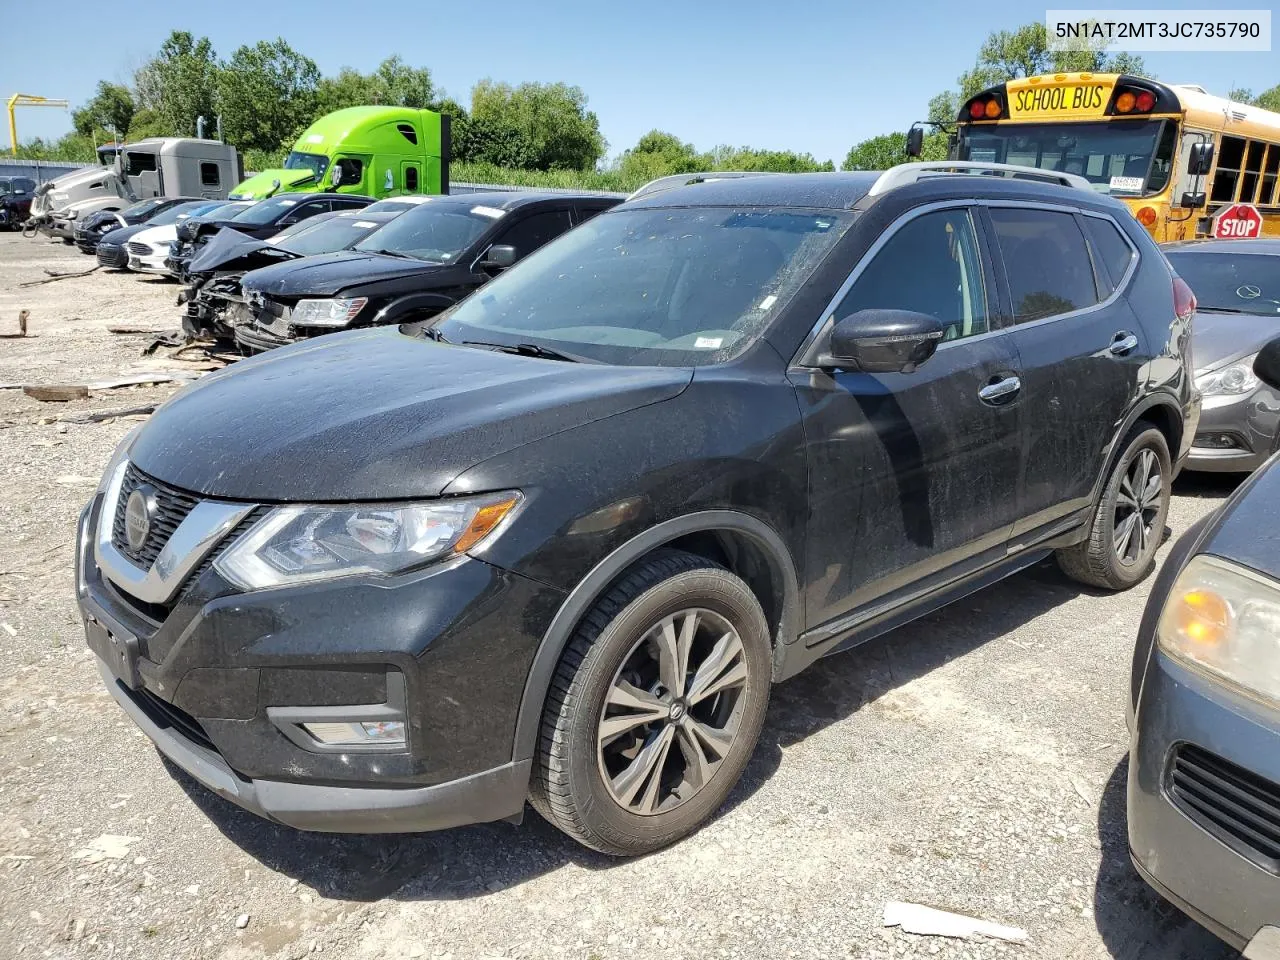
[427, 259]
[557, 544]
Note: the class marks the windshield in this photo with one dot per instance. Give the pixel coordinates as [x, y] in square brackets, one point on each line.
[265, 211]
[670, 287]
[1248, 283]
[5, 187]
[337, 233]
[179, 211]
[317, 163]
[139, 210]
[438, 232]
[1121, 158]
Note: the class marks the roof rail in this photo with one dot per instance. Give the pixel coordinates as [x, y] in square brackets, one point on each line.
[905, 173]
[676, 180]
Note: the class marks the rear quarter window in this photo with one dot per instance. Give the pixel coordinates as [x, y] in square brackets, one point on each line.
[1114, 254]
[1047, 262]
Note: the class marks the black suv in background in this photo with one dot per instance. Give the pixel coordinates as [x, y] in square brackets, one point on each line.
[425, 260]
[558, 544]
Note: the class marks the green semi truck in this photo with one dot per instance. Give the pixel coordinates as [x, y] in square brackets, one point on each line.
[374, 151]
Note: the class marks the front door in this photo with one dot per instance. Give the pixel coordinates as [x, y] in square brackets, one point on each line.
[913, 476]
[1082, 351]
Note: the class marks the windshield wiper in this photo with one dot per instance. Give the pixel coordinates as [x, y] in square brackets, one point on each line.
[393, 253]
[528, 350]
[433, 333]
[1202, 308]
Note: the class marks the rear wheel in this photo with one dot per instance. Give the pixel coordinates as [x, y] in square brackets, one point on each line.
[655, 707]
[1129, 523]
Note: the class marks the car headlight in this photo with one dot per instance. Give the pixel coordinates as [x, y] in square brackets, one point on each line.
[1233, 380]
[1224, 620]
[297, 544]
[327, 313]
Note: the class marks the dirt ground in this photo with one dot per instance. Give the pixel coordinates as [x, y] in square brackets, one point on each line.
[974, 760]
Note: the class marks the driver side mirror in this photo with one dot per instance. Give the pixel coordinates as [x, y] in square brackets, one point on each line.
[915, 141]
[882, 341]
[499, 257]
[1200, 160]
[1267, 364]
[345, 172]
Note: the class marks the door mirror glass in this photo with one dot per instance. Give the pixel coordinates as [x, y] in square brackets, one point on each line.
[1191, 201]
[499, 257]
[883, 341]
[1200, 160]
[915, 141]
[1267, 364]
[346, 172]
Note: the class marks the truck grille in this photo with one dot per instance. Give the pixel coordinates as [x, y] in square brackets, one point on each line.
[173, 504]
[1237, 806]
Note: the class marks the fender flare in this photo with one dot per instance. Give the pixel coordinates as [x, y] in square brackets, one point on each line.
[390, 312]
[1145, 405]
[590, 587]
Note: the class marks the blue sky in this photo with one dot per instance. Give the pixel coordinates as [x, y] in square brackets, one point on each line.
[809, 75]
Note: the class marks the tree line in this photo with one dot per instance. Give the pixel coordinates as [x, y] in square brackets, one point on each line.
[539, 134]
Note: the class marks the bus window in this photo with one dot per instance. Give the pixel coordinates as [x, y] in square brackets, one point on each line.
[1162, 163]
[1269, 170]
[1230, 160]
[1252, 170]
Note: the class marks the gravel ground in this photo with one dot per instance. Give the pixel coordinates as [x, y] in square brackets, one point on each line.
[974, 761]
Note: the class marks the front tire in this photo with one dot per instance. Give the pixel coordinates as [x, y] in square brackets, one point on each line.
[1128, 525]
[655, 707]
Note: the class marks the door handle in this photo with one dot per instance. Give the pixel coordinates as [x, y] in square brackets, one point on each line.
[1001, 391]
[1122, 343]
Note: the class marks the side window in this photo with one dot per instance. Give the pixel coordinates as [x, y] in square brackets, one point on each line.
[586, 212]
[411, 179]
[931, 265]
[1269, 170]
[312, 208]
[344, 203]
[1230, 160]
[210, 175]
[1114, 254]
[1252, 170]
[533, 231]
[1047, 262]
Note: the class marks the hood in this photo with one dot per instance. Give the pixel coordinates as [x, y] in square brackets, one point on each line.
[123, 235]
[231, 250]
[331, 273]
[1218, 339]
[192, 227]
[375, 415]
[1248, 532]
[262, 185]
[103, 218]
[162, 234]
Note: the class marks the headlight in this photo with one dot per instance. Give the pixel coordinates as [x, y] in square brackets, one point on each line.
[1225, 620]
[296, 544]
[327, 313]
[1234, 380]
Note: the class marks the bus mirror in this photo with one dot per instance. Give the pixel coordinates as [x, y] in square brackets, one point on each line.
[1192, 201]
[915, 141]
[1200, 162]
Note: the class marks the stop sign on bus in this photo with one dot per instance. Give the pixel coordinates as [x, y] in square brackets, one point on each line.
[1240, 221]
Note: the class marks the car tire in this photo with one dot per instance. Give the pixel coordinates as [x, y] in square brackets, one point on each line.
[1128, 525]
[622, 778]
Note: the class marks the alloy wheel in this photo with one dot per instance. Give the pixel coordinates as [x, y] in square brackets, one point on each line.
[1137, 507]
[673, 711]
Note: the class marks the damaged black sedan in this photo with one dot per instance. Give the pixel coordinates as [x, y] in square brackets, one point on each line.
[215, 299]
[429, 258]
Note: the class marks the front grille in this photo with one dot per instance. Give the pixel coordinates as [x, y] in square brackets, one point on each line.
[165, 714]
[112, 255]
[139, 249]
[1237, 806]
[173, 506]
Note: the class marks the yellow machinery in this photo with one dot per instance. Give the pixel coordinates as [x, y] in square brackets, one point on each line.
[27, 100]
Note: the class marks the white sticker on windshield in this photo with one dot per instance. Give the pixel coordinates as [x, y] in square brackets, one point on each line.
[288, 203]
[489, 212]
[1127, 184]
[708, 343]
[366, 223]
[768, 302]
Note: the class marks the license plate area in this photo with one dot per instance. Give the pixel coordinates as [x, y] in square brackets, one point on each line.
[119, 650]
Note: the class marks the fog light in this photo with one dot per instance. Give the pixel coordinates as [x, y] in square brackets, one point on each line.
[355, 733]
[1216, 441]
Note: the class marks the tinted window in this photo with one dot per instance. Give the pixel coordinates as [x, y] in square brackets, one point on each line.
[529, 234]
[930, 265]
[1114, 254]
[1230, 160]
[1047, 262]
[411, 178]
[210, 175]
[140, 162]
[1231, 282]
[268, 211]
[334, 233]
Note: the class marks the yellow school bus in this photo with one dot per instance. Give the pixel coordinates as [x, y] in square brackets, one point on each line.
[1176, 155]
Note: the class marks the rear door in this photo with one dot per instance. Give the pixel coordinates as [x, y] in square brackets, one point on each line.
[913, 476]
[1081, 348]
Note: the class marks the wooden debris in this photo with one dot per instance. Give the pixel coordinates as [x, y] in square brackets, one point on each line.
[57, 276]
[137, 330]
[931, 922]
[97, 416]
[56, 393]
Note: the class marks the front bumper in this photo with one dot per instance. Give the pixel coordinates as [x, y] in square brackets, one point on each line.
[62, 228]
[150, 264]
[209, 677]
[1228, 891]
[113, 256]
[1250, 424]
